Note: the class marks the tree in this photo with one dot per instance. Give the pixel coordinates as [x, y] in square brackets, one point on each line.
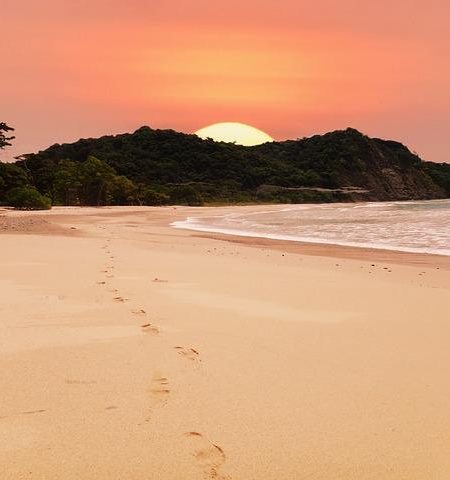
[12, 176]
[97, 182]
[123, 191]
[27, 198]
[67, 183]
[4, 140]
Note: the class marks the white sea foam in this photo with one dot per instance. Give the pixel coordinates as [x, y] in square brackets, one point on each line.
[421, 226]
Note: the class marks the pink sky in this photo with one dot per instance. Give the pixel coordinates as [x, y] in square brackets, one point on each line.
[291, 68]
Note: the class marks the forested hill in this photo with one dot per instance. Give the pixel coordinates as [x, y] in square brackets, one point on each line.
[163, 166]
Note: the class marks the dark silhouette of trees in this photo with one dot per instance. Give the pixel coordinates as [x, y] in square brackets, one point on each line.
[159, 167]
[4, 139]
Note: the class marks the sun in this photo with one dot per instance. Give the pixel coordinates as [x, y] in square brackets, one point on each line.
[234, 132]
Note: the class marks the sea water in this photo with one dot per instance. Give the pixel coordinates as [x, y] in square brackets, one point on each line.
[417, 226]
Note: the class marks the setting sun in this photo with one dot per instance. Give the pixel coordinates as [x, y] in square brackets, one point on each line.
[233, 132]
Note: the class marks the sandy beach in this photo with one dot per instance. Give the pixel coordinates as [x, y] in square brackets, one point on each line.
[133, 350]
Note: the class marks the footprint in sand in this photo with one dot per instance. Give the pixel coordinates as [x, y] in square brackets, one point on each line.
[140, 311]
[160, 386]
[150, 328]
[160, 391]
[210, 457]
[120, 299]
[189, 353]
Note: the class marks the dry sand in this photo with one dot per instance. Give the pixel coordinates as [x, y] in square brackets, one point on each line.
[133, 351]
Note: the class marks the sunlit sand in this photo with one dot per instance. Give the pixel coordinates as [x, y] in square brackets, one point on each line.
[134, 350]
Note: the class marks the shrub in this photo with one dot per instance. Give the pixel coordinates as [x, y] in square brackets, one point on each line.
[149, 196]
[186, 195]
[27, 198]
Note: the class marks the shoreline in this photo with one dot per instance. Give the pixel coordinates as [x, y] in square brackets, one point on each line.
[167, 216]
[194, 223]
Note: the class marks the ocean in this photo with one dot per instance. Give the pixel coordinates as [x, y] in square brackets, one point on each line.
[418, 226]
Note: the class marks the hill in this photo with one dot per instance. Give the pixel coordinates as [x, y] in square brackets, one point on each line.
[165, 167]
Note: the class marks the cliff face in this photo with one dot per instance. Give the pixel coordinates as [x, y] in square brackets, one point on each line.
[338, 166]
[393, 172]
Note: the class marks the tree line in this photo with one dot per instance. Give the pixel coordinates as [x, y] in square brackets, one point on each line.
[162, 167]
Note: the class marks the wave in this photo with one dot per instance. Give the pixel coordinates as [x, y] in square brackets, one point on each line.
[413, 227]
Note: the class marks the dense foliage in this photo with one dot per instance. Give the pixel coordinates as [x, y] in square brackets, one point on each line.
[15, 188]
[157, 167]
[27, 198]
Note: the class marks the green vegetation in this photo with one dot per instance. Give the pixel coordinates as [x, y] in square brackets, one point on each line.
[15, 188]
[160, 167]
[27, 198]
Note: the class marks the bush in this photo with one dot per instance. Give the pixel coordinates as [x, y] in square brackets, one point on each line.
[149, 196]
[27, 198]
[186, 195]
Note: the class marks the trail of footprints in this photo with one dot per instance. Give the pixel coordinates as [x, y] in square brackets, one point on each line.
[108, 271]
[209, 456]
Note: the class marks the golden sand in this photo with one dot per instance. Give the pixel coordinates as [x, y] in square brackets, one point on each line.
[131, 350]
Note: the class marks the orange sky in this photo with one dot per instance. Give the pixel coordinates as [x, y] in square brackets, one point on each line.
[292, 68]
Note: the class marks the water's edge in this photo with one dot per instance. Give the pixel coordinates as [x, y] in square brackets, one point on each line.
[212, 224]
